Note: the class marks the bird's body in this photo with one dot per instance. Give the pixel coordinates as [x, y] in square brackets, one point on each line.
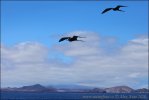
[117, 8]
[70, 39]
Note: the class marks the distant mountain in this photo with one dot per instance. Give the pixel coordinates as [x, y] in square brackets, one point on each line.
[32, 88]
[143, 90]
[40, 88]
[119, 89]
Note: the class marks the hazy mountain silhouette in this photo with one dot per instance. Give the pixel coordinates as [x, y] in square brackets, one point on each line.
[40, 88]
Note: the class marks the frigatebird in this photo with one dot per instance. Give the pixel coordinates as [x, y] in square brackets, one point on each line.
[117, 8]
[70, 39]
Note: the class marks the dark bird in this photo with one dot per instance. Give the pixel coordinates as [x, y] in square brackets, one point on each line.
[117, 8]
[70, 39]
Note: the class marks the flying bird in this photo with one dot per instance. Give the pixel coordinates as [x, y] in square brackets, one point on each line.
[70, 39]
[117, 8]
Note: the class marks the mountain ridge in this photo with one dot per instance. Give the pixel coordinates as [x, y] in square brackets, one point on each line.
[41, 88]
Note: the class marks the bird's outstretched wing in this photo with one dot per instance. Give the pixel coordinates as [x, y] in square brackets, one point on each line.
[118, 6]
[63, 38]
[81, 40]
[106, 10]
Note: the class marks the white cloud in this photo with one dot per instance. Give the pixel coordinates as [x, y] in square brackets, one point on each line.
[30, 63]
[27, 52]
[134, 75]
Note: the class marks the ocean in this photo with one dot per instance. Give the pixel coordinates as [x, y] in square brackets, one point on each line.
[73, 96]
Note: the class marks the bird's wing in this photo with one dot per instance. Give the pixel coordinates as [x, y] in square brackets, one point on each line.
[106, 10]
[119, 6]
[81, 40]
[63, 38]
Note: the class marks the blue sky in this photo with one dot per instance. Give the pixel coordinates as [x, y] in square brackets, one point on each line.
[37, 21]
[30, 31]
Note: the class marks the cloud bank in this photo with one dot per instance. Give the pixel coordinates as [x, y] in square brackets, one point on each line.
[83, 63]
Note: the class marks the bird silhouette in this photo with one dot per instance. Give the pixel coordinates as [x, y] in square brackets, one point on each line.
[70, 39]
[117, 8]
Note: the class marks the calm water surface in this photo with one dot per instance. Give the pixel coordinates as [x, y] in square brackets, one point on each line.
[73, 96]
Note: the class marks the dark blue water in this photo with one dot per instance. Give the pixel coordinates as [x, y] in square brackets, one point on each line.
[73, 96]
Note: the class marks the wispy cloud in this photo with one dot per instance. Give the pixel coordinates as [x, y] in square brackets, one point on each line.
[31, 62]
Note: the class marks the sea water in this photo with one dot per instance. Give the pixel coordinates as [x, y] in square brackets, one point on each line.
[73, 96]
